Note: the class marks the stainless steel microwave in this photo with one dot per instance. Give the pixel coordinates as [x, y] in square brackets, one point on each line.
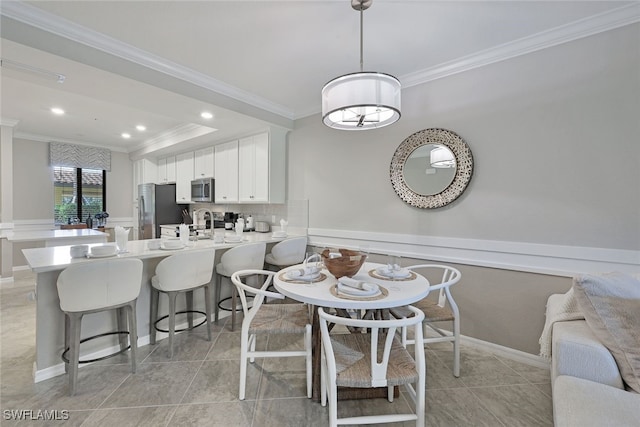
[202, 190]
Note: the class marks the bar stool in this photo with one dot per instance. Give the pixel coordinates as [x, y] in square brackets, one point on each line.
[93, 287]
[287, 253]
[243, 257]
[182, 272]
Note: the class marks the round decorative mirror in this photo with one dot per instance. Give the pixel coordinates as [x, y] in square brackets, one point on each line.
[431, 168]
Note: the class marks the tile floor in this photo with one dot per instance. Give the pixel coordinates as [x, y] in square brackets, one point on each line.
[199, 385]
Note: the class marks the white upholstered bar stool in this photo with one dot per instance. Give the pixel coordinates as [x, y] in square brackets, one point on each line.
[287, 253]
[182, 272]
[97, 286]
[243, 257]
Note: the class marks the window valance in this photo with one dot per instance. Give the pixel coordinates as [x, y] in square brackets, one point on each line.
[79, 156]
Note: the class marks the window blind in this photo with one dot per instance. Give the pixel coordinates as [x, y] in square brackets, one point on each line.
[79, 156]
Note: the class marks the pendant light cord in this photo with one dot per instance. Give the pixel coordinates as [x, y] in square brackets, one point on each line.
[361, 43]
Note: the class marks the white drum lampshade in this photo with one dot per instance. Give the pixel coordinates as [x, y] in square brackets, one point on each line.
[359, 101]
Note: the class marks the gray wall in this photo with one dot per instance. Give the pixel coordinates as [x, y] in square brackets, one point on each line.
[554, 135]
[33, 187]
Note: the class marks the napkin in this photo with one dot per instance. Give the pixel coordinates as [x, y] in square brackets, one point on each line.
[283, 225]
[302, 272]
[350, 286]
[393, 271]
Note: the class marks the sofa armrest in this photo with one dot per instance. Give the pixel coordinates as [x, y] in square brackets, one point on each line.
[577, 352]
[578, 403]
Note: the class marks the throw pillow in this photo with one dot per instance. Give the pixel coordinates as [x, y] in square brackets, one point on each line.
[611, 306]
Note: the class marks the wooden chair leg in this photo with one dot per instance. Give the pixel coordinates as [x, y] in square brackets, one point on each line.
[133, 334]
[207, 309]
[74, 350]
[172, 320]
[189, 297]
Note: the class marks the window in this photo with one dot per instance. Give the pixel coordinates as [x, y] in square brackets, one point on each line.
[78, 193]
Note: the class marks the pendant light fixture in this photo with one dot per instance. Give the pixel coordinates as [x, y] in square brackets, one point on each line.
[363, 100]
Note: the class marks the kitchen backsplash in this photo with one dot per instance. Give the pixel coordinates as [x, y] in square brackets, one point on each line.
[296, 212]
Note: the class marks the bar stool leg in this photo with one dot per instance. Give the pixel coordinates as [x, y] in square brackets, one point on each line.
[216, 308]
[122, 326]
[67, 338]
[189, 297]
[172, 320]
[74, 350]
[155, 295]
[207, 307]
[133, 334]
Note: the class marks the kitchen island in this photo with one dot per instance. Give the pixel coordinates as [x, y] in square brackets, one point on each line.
[48, 262]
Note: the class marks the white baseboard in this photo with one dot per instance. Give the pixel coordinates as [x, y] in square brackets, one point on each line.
[507, 353]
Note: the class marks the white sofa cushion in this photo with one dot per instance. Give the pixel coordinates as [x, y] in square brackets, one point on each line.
[583, 403]
[577, 352]
[610, 303]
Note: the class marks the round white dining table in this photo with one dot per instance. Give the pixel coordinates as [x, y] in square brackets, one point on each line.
[399, 291]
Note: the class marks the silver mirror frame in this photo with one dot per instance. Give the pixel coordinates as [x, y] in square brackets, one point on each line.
[464, 167]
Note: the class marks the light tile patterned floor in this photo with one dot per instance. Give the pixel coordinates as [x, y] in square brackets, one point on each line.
[199, 386]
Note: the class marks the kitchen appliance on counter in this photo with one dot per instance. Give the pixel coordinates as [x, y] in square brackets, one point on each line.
[157, 205]
[202, 190]
[230, 219]
[262, 227]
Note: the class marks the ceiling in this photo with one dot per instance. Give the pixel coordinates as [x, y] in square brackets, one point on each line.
[251, 63]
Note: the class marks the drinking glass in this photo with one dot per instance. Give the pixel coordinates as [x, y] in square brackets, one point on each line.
[394, 262]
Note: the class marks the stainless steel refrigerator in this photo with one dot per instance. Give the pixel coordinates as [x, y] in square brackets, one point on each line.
[157, 206]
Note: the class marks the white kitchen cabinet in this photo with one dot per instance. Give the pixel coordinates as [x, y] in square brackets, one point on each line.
[184, 176]
[144, 171]
[203, 166]
[261, 168]
[166, 170]
[226, 172]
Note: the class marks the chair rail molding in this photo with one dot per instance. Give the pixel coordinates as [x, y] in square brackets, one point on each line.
[557, 260]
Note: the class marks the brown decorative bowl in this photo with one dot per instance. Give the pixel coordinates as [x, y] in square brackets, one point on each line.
[347, 265]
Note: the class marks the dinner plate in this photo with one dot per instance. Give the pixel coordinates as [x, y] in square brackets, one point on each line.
[307, 278]
[102, 255]
[164, 248]
[348, 290]
[399, 274]
[232, 240]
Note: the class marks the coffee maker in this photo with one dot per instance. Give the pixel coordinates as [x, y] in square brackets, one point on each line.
[230, 219]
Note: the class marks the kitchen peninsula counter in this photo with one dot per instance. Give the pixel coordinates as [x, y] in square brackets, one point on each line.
[57, 237]
[50, 261]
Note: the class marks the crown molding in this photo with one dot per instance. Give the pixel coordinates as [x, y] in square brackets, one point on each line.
[62, 27]
[171, 137]
[5, 121]
[595, 24]
[45, 21]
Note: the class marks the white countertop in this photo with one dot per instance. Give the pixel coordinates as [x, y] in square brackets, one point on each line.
[39, 235]
[56, 258]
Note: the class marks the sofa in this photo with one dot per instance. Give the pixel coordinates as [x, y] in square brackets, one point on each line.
[587, 385]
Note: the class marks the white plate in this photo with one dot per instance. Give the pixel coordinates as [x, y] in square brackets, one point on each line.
[164, 248]
[400, 274]
[102, 255]
[347, 290]
[279, 235]
[307, 278]
[232, 240]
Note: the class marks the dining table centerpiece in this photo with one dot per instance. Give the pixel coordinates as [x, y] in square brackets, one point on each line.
[343, 262]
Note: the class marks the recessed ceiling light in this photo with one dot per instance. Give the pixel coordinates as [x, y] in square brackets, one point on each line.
[126, 135]
[58, 111]
[141, 128]
[206, 115]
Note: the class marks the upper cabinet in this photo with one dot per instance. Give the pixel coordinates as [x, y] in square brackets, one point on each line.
[203, 163]
[166, 170]
[261, 168]
[144, 171]
[226, 168]
[184, 176]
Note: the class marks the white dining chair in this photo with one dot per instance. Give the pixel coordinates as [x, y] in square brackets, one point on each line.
[287, 253]
[94, 287]
[265, 319]
[444, 309]
[370, 360]
[182, 272]
[244, 257]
